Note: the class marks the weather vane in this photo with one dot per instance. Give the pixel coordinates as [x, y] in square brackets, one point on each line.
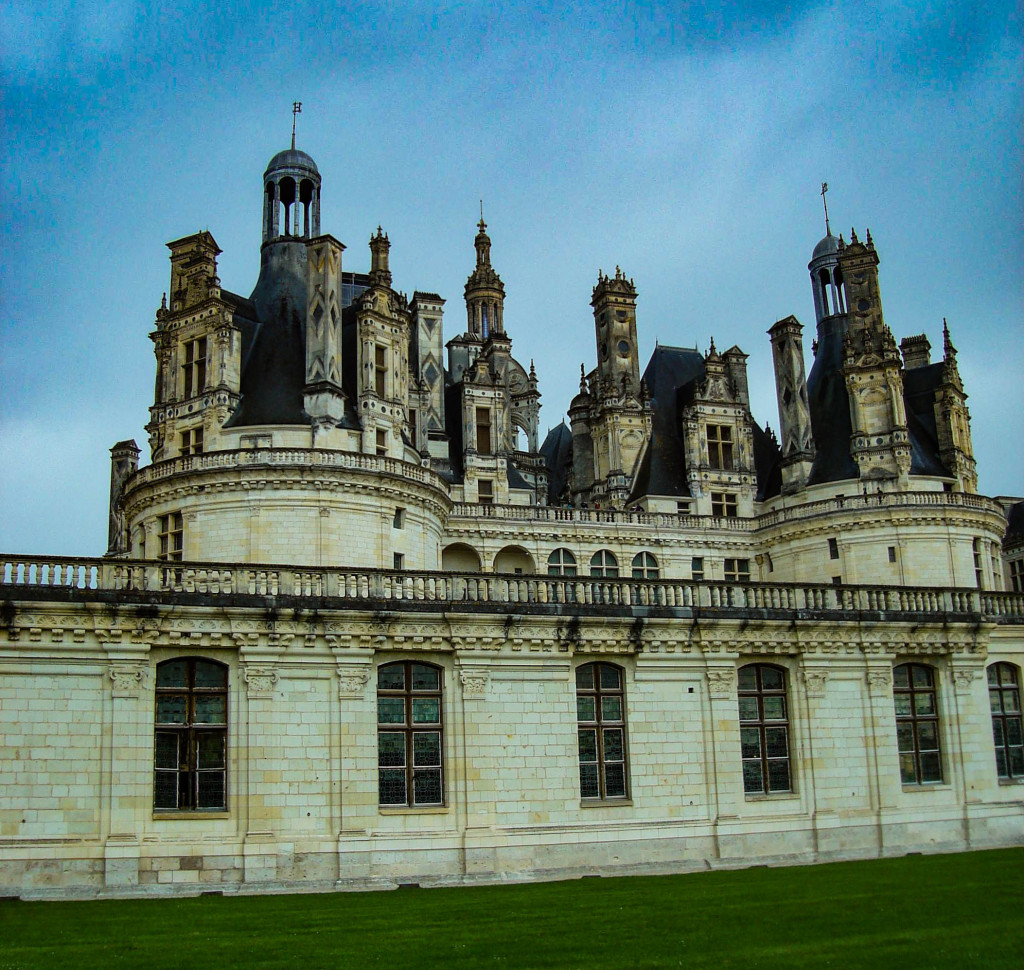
[296, 111]
[824, 202]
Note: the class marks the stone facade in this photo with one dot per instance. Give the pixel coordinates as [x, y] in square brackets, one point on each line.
[357, 626]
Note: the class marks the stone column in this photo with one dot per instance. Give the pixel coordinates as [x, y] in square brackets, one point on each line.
[260, 849]
[356, 760]
[470, 753]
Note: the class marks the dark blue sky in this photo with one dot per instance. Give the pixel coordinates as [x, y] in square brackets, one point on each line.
[684, 143]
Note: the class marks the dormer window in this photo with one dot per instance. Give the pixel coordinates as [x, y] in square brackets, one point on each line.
[194, 366]
[720, 446]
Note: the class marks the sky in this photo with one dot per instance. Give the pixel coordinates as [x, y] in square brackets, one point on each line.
[683, 142]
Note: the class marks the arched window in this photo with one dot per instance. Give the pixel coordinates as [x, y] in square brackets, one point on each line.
[764, 729]
[601, 716]
[645, 566]
[604, 565]
[561, 563]
[917, 724]
[191, 736]
[409, 734]
[1004, 702]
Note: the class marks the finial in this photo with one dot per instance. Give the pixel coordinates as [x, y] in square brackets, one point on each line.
[871, 242]
[711, 352]
[853, 235]
[948, 350]
[824, 202]
[481, 225]
[163, 302]
[583, 380]
[533, 372]
[296, 111]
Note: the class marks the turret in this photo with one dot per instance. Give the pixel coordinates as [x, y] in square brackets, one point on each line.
[618, 363]
[291, 197]
[794, 410]
[485, 293]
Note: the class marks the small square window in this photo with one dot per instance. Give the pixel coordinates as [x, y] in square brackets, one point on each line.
[837, 580]
[724, 504]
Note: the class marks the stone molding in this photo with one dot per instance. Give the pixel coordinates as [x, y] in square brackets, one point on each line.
[815, 681]
[880, 680]
[126, 680]
[352, 681]
[963, 678]
[260, 681]
[474, 680]
[721, 683]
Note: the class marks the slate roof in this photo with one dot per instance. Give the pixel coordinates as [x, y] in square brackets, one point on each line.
[557, 453]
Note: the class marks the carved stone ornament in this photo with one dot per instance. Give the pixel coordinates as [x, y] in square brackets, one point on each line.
[879, 681]
[963, 678]
[352, 681]
[126, 681]
[815, 681]
[720, 682]
[260, 681]
[474, 680]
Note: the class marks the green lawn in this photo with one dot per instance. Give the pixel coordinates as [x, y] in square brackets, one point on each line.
[957, 911]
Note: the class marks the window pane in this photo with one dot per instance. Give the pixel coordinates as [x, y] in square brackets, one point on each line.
[1013, 731]
[210, 749]
[997, 731]
[611, 708]
[426, 710]
[615, 781]
[924, 704]
[426, 749]
[905, 738]
[390, 750]
[775, 742]
[1016, 762]
[426, 786]
[900, 676]
[1011, 701]
[613, 750]
[165, 789]
[993, 702]
[390, 710]
[588, 745]
[210, 674]
[778, 775]
[585, 677]
[211, 709]
[610, 677]
[993, 674]
[174, 673]
[391, 790]
[391, 677]
[171, 709]
[922, 676]
[930, 768]
[588, 781]
[425, 678]
[1001, 763]
[771, 679]
[210, 793]
[586, 707]
[1007, 675]
[928, 736]
[752, 777]
[775, 708]
[902, 703]
[748, 678]
[165, 754]
[908, 769]
[748, 709]
[750, 742]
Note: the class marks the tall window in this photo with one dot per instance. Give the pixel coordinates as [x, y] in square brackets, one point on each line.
[171, 535]
[645, 566]
[485, 491]
[483, 431]
[1017, 575]
[1004, 702]
[697, 568]
[191, 742]
[380, 369]
[381, 443]
[561, 563]
[409, 734]
[917, 724]
[604, 565]
[724, 504]
[194, 366]
[737, 570]
[601, 713]
[192, 441]
[720, 446]
[764, 729]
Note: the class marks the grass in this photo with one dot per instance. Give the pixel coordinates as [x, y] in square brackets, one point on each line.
[957, 911]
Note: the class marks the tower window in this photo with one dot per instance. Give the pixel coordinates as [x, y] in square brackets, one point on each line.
[697, 568]
[737, 570]
[1007, 733]
[381, 442]
[380, 369]
[194, 366]
[409, 734]
[979, 574]
[720, 446]
[399, 519]
[892, 554]
[1017, 575]
[724, 504]
[192, 442]
[414, 427]
[601, 719]
[171, 535]
[833, 549]
[764, 729]
[604, 565]
[191, 736]
[561, 562]
[485, 491]
[645, 566]
[483, 431]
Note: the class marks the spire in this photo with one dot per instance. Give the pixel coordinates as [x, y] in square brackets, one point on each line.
[824, 202]
[948, 350]
[296, 111]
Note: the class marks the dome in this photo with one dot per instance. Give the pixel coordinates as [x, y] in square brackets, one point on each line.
[291, 158]
[829, 246]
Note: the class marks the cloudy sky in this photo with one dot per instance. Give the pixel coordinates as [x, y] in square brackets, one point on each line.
[684, 143]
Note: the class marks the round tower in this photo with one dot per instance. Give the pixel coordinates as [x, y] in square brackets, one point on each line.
[291, 197]
[827, 279]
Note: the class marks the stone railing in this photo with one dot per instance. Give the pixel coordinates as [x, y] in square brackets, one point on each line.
[490, 591]
[287, 458]
[876, 501]
[557, 513]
